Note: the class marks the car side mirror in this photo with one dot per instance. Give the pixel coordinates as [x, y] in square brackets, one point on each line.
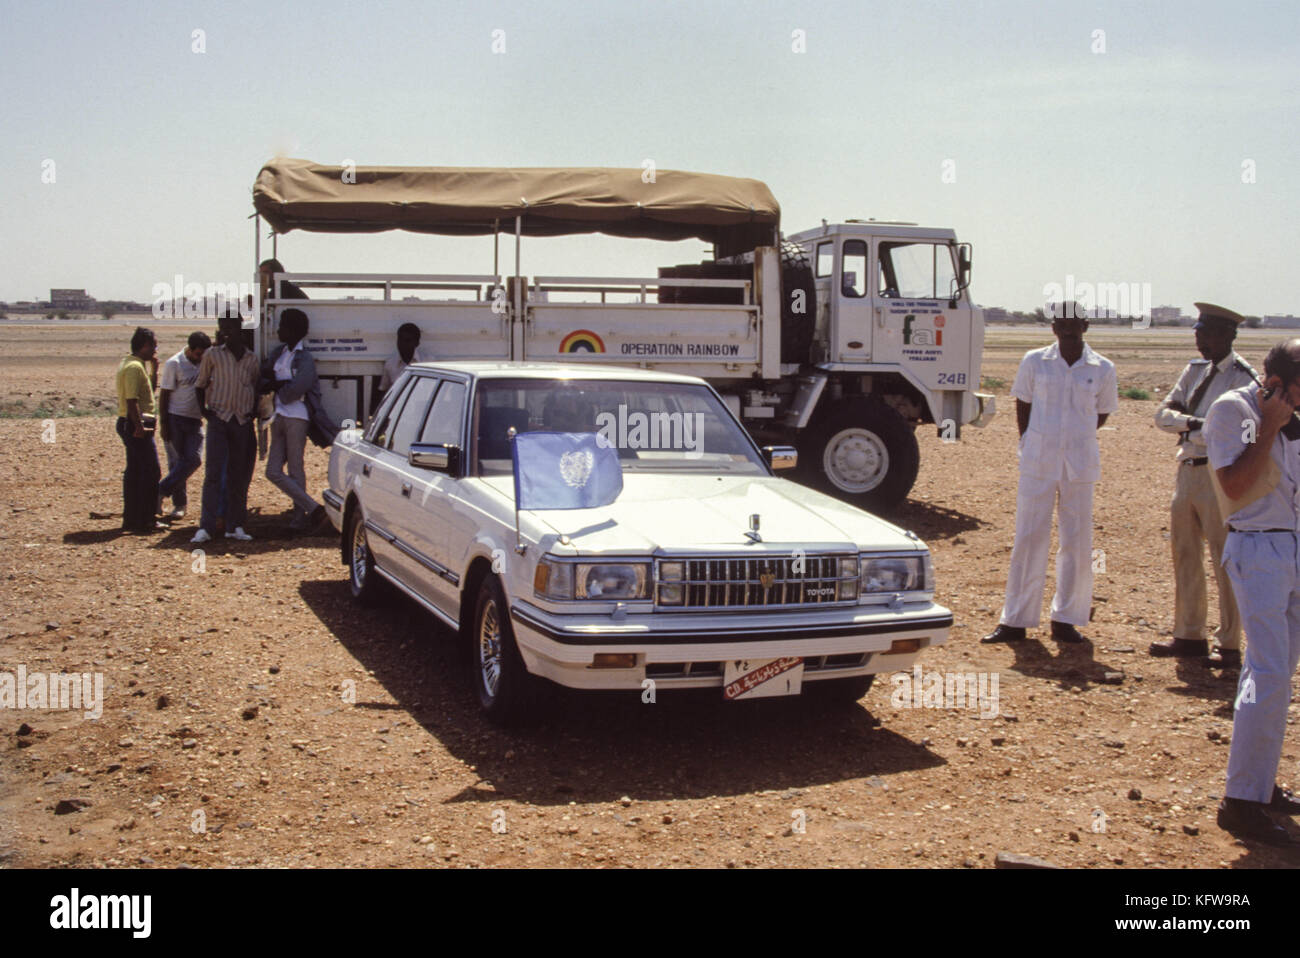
[781, 457]
[435, 456]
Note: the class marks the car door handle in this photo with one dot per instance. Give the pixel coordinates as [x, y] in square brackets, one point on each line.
[365, 469]
[406, 489]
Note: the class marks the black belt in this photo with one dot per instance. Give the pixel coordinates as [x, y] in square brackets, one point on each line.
[1199, 461]
[1232, 529]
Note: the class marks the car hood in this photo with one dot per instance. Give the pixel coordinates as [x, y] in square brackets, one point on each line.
[665, 513]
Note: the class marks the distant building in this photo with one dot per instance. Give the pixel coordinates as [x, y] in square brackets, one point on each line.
[1168, 316]
[70, 299]
[994, 314]
[1281, 322]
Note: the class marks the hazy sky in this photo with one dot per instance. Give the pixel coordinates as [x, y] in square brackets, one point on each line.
[1122, 166]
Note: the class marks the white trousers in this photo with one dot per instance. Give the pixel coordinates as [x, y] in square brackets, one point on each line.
[1028, 573]
[1265, 571]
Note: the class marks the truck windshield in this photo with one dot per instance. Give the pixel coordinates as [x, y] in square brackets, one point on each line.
[656, 427]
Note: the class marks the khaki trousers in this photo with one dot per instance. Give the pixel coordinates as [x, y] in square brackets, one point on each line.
[1193, 517]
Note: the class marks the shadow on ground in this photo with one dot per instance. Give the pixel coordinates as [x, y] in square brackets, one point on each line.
[598, 747]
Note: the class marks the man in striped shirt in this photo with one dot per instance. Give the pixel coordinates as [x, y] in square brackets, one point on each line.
[227, 393]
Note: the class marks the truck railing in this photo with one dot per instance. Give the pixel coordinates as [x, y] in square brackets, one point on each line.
[636, 286]
[479, 284]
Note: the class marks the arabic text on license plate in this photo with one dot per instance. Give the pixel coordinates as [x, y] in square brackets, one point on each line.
[756, 678]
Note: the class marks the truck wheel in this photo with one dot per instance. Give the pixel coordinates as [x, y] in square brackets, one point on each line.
[362, 578]
[842, 691]
[506, 691]
[863, 452]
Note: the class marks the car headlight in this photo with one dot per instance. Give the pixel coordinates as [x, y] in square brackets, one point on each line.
[894, 573]
[591, 580]
[611, 580]
[672, 583]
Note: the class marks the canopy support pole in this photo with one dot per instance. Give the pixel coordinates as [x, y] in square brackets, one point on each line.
[519, 287]
[496, 248]
[257, 259]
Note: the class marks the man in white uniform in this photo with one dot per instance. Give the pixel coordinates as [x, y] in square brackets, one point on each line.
[1194, 515]
[1251, 437]
[1063, 392]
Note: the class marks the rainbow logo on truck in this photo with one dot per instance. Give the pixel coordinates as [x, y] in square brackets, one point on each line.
[582, 341]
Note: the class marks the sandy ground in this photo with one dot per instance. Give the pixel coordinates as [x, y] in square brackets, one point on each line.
[227, 737]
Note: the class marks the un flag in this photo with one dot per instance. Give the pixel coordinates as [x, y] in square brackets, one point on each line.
[564, 470]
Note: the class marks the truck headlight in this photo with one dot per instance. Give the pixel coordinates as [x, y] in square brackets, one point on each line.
[556, 579]
[893, 573]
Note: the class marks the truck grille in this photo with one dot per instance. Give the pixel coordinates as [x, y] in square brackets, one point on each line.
[768, 582]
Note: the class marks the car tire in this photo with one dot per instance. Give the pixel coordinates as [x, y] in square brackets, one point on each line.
[363, 580]
[506, 691]
[843, 691]
[863, 452]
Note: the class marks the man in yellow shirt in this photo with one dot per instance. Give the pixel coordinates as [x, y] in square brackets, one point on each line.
[137, 377]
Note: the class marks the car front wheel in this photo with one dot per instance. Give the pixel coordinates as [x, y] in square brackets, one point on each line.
[506, 691]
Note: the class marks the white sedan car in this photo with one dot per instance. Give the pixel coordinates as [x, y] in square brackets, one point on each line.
[704, 570]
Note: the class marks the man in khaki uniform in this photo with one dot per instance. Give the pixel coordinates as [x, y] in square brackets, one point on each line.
[1194, 513]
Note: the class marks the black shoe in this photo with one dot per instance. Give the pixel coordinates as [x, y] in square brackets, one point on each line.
[1064, 632]
[1251, 821]
[318, 515]
[1005, 633]
[1284, 802]
[1224, 658]
[1180, 648]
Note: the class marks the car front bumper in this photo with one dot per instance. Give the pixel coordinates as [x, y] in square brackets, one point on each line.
[686, 651]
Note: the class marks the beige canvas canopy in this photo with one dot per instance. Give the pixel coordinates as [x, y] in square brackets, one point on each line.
[732, 212]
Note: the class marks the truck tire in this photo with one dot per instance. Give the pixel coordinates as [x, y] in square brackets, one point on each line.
[363, 580]
[863, 452]
[507, 693]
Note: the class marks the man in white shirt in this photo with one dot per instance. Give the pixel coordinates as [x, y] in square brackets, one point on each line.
[1063, 392]
[292, 375]
[180, 424]
[409, 351]
[1194, 513]
[1251, 437]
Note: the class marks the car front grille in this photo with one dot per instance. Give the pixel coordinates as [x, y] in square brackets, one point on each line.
[750, 582]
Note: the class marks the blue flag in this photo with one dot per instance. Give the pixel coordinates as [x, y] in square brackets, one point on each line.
[564, 470]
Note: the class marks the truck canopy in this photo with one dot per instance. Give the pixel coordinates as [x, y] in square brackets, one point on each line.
[732, 212]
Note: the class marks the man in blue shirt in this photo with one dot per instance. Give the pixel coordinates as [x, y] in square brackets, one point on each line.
[1249, 438]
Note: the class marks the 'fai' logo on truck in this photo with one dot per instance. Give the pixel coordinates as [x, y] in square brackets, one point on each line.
[922, 337]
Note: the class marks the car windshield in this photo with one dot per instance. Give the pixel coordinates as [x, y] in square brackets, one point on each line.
[656, 427]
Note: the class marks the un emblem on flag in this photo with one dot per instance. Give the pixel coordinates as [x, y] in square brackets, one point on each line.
[575, 467]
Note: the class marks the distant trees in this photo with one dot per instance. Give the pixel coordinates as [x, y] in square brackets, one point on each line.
[107, 312]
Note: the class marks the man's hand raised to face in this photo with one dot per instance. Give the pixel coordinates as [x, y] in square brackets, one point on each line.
[1275, 411]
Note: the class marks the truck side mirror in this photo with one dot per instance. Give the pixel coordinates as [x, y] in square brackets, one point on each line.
[435, 456]
[963, 263]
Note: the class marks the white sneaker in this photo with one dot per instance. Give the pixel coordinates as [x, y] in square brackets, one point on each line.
[176, 514]
[202, 536]
[239, 534]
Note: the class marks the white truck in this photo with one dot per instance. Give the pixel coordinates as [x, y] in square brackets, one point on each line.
[840, 339]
